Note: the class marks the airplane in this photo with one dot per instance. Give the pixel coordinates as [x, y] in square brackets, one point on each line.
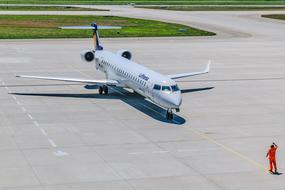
[121, 71]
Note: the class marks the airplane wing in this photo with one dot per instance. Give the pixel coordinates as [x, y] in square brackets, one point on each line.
[182, 75]
[88, 81]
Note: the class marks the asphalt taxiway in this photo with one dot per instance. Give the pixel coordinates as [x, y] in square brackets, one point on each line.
[63, 136]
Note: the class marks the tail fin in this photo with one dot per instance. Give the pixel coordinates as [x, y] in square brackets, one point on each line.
[94, 27]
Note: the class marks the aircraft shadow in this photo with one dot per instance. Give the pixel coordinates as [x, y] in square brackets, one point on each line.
[133, 99]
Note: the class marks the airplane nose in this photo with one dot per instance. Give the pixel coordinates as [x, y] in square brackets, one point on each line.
[171, 101]
[176, 101]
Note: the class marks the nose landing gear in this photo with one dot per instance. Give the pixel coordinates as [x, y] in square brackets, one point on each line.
[103, 89]
[169, 114]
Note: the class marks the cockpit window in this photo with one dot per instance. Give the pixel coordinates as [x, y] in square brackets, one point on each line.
[156, 87]
[166, 88]
[175, 88]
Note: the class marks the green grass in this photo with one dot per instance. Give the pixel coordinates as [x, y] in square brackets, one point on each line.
[47, 8]
[46, 26]
[151, 2]
[275, 16]
[214, 8]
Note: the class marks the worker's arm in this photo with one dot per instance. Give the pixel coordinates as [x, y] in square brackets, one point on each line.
[275, 145]
[267, 154]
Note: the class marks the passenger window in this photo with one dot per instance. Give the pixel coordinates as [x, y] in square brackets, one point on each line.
[166, 88]
[156, 87]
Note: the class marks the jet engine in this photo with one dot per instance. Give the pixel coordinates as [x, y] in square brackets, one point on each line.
[125, 53]
[87, 55]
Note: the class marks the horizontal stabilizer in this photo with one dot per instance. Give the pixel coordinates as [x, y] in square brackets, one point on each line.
[90, 27]
[94, 27]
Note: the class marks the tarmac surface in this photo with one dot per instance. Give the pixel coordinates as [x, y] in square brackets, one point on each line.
[63, 136]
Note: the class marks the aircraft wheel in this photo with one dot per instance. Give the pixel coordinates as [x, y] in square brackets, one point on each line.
[100, 90]
[169, 115]
[105, 89]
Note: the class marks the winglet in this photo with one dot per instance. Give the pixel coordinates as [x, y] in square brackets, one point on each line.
[208, 66]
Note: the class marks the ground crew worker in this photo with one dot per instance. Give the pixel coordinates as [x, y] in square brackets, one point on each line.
[272, 159]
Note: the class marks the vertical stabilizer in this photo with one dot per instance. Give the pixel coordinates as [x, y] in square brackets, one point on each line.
[96, 40]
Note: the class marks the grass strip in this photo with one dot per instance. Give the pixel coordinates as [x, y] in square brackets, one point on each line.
[46, 26]
[216, 8]
[47, 8]
[149, 2]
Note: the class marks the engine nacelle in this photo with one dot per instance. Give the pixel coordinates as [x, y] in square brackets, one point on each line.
[125, 53]
[87, 55]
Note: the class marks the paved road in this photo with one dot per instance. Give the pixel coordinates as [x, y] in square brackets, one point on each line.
[58, 136]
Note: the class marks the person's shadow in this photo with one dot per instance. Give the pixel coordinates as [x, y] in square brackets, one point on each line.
[277, 173]
[133, 99]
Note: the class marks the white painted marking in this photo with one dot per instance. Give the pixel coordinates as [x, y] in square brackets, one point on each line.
[36, 124]
[14, 97]
[52, 143]
[44, 132]
[61, 153]
[29, 115]
[160, 152]
[136, 153]
[24, 109]
[18, 103]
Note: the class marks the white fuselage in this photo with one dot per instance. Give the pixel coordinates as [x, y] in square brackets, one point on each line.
[148, 83]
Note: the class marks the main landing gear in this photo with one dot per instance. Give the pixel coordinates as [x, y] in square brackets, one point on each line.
[169, 114]
[103, 89]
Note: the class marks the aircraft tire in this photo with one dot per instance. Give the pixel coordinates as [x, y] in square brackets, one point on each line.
[101, 90]
[105, 89]
[169, 115]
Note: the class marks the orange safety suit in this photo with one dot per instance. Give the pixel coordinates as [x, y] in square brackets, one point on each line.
[272, 159]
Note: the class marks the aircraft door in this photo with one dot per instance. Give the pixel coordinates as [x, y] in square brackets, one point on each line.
[151, 92]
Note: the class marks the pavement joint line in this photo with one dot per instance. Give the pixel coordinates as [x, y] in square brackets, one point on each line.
[136, 153]
[160, 152]
[185, 150]
[44, 132]
[240, 155]
[52, 143]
